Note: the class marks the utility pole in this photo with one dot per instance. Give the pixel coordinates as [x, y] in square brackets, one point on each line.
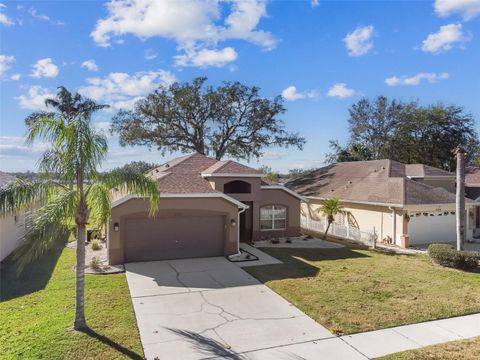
[460, 201]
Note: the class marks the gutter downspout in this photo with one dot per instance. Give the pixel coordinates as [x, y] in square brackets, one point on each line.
[394, 225]
[238, 233]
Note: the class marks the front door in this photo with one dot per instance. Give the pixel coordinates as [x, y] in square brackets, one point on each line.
[246, 223]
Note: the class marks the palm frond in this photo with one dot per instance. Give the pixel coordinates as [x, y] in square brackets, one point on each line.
[99, 201]
[133, 182]
[21, 194]
[47, 228]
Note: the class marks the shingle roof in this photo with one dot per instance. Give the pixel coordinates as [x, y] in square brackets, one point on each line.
[421, 170]
[376, 181]
[230, 167]
[5, 179]
[472, 176]
[184, 175]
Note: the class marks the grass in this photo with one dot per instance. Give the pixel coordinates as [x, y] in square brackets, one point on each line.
[351, 290]
[37, 311]
[455, 350]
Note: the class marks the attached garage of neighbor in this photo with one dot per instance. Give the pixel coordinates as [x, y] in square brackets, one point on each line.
[182, 228]
[432, 227]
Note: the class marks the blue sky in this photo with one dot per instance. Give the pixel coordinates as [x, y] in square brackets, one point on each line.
[321, 55]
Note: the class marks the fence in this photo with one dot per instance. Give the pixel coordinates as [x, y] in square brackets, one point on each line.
[341, 231]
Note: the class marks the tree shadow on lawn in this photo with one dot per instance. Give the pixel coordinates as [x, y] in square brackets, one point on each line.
[296, 262]
[33, 278]
[105, 340]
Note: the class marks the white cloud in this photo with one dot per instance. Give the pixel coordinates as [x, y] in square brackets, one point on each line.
[273, 155]
[4, 19]
[196, 26]
[315, 3]
[444, 39]
[44, 68]
[359, 41]
[416, 79]
[468, 9]
[34, 13]
[90, 65]
[5, 61]
[150, 54]
[291, 94]
[15, 77]
[206, 57]
[340, 90]
[35, 98]
[121, 90]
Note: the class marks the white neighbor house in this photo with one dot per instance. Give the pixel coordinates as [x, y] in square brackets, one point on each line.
[12, 228]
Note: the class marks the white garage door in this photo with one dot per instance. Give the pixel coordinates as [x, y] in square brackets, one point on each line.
[432, 229]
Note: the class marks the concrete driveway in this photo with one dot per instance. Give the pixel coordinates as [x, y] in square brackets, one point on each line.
[209, 308]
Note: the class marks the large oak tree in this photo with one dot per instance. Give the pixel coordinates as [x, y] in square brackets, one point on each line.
[229, 120]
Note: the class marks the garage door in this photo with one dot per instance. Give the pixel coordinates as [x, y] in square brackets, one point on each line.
[178, 237]
[432, 228]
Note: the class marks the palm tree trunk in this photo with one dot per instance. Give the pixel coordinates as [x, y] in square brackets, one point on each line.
[326, 231]
[81, 221]
[80, 322]
[460, 201]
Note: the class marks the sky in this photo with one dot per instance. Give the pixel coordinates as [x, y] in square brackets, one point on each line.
[321, 56]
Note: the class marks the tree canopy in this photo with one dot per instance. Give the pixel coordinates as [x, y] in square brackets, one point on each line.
[229, 120]
[407, 132]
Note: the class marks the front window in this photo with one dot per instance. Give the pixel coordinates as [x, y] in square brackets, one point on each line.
[273, 217]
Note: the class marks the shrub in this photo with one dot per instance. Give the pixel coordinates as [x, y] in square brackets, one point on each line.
[95, 263]
[446, 255]
[96, 245]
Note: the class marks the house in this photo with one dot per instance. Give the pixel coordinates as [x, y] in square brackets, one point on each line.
[387, 198]
[12, 226]
[472, 190]
[206, 208]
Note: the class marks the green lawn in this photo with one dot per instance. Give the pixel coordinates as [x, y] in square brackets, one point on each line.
[37, 310]
[455, 350]
[352, 290]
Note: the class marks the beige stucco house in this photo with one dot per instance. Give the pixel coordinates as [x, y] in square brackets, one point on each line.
[206, 208]
[472, 189]
[387, 198]
[12, 227]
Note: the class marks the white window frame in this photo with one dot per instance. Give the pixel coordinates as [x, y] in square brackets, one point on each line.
[272, 228]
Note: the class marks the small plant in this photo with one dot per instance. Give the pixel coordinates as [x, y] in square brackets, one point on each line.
[288, 241]
[95, 263]
[446, 255]
[275, 241]
[96, 245]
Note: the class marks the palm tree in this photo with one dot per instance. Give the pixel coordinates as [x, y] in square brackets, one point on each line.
[460, 201]
[330, 208]
[72, 190]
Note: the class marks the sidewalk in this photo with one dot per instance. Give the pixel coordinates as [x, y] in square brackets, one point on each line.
[378, 343]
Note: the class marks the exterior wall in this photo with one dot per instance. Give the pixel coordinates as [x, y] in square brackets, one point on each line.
[277, 197]
[255, 195]
[177, 206]
[11, 234]
[364, 217]
[260, 197]
[448, 184]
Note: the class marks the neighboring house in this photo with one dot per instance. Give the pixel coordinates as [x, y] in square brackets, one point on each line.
[206, 208]
[387, 197]
[12, 227]
[472, 189]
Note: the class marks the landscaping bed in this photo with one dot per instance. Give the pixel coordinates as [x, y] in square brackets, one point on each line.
[37, 311]
[351, 290]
